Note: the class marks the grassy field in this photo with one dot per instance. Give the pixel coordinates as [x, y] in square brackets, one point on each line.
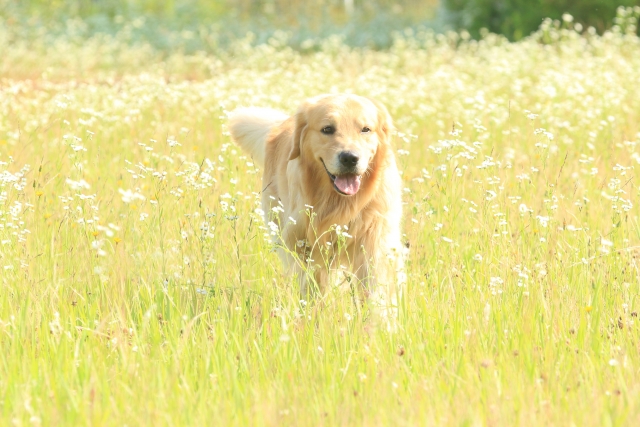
[138, 287]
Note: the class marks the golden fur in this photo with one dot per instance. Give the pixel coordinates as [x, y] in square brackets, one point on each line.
[293, 151]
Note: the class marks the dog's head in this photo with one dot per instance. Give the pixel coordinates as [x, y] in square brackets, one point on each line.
[342, 135]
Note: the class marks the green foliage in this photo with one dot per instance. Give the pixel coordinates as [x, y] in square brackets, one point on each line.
[518, 18]
[208, 25]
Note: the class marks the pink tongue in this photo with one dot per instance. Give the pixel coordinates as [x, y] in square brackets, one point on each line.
[348, 184]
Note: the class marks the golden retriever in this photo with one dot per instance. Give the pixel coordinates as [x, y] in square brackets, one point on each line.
[332, 187]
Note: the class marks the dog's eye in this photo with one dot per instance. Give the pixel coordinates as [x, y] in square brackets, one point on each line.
[366, 130]
[328, 130]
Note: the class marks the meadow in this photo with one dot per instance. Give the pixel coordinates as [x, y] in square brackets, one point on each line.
[138, 284]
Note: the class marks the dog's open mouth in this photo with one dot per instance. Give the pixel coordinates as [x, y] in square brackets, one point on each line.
[346, 184]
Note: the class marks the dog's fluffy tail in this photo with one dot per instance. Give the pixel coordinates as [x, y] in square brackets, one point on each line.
[250, 128]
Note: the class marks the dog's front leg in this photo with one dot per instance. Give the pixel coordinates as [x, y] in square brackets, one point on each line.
[379, 266]
[295, 254]
[311, 276]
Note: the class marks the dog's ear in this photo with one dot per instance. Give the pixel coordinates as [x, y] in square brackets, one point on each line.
[302, 122]
[385, 123]
[298, 132]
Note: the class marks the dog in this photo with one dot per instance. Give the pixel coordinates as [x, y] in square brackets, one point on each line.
[332, 188]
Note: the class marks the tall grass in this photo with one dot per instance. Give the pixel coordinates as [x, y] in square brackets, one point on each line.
[138, 286]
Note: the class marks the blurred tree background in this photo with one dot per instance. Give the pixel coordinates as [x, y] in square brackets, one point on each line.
[367, 23]
[518, 18]
[189, 24]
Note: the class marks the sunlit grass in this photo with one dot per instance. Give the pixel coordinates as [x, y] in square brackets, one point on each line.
[138, 285]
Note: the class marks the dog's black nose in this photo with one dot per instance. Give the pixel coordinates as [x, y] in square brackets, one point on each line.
[348, 159]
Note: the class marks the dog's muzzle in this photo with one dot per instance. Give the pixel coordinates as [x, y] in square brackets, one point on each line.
[346, 184]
